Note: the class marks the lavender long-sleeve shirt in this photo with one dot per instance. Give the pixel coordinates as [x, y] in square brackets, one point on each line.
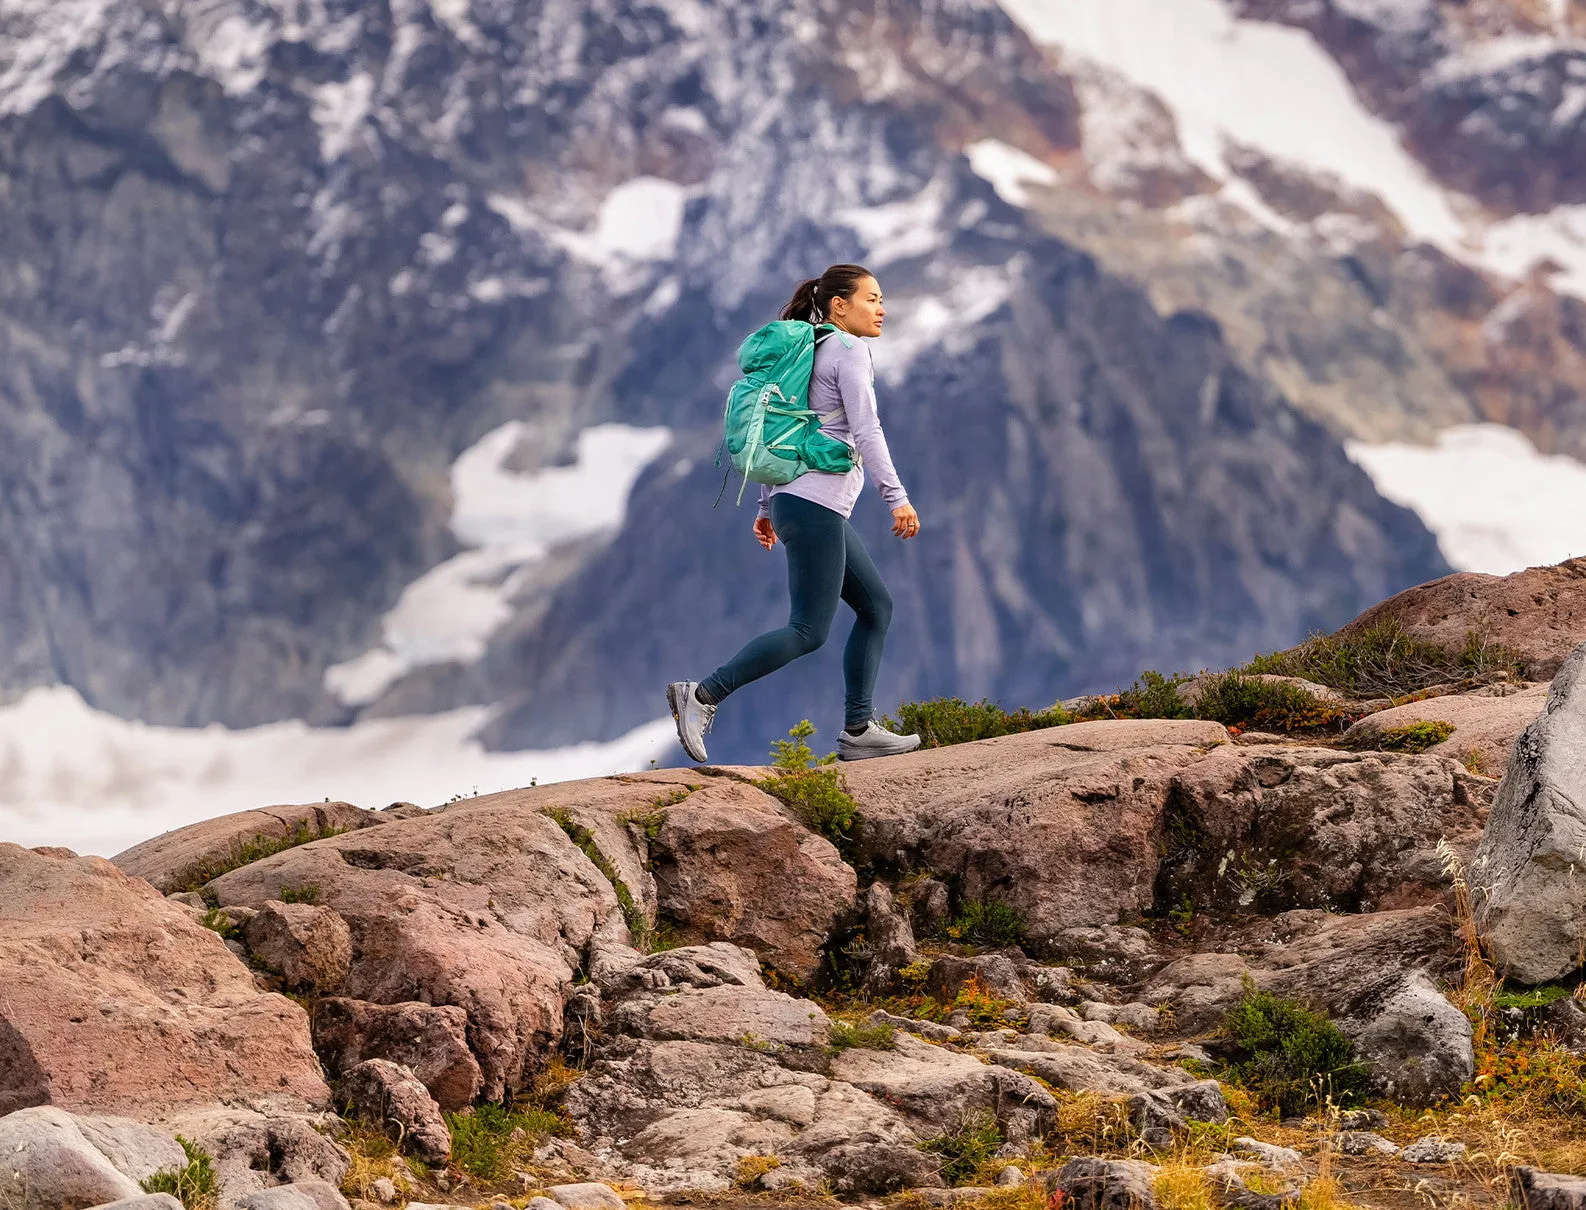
[843, 394]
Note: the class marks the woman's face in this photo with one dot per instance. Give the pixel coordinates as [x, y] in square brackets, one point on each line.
[862, 314]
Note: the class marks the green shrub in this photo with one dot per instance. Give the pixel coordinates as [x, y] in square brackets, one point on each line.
[951, 720]
[194, 1184]
[1290, 1056]
[483, 1145]
[246, 852]
[987, 922]
[1383, 661]
[1529, 997]
[844, 1035]
[306, 892]
[968, 1149]
[1237, 699]
[1151, 696]
[816, 792]
[217, 921]
[1417, 737]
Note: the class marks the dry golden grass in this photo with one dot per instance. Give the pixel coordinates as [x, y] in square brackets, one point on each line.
[1182, 1184]
[752, 1167]
[1091, 1123]
[373, 1156]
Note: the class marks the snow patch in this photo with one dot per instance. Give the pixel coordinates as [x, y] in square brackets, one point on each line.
[1495, 503]
[900, 230]
[947, 319]
[230, 49]
[1264, 86]
[512, 521]
[37, 39]
[78, 777]
[340, 110]
[1009, 170]
[1515, 245]
[640, 221]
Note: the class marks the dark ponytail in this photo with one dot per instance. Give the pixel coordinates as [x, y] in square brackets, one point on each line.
[813, 299]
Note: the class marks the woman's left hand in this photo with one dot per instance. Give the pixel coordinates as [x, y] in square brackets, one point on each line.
[905, 521]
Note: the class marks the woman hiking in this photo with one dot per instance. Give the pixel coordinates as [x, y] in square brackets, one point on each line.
[826, 558]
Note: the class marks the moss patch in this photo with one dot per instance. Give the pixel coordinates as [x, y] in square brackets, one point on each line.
[1416, 737]
[246, 852]
[639, 928]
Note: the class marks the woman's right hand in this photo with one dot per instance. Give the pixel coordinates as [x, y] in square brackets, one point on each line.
[763, 533]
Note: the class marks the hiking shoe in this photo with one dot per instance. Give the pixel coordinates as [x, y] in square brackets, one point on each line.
[874, 740]
[693, 717]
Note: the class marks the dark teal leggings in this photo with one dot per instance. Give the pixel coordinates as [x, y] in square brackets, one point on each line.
[826, 562]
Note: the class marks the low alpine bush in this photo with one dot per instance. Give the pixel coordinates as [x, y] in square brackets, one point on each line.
[491, 1141]
[816, 791]
[1384, 661]
[194, 1184]
[987, 922]
[1237, 699]
[1290, 1056]
[951, 720]
[965, 1151]
[1151, 696]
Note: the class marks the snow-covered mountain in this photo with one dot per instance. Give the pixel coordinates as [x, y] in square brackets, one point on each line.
[360, 360]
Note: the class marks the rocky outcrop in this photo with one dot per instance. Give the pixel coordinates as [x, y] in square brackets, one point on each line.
[255, 1152]
[118, 1000]
[54, 1160]
[430, 1040]
[1486, 722]
[309, 946]
[49, 1162]
[702, 1065]
[938, 1091]
[1273, 827]
[1078, 825]
[1091, 1183]
[490, 910]
[1061, 825]
[888, 936]
[1538, 614]
[1534, 1190]
[184, 858]
[1377, 975]
[396, 1101]
[714, 857]
[1530, 872]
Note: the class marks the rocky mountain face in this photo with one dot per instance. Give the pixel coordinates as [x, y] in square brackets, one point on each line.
[269, 268]
[1488, 94]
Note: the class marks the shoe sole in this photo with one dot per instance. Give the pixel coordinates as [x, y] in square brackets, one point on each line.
[677, 719]
[870, 754]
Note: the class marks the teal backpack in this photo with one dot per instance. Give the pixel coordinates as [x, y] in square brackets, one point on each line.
[772, 434]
